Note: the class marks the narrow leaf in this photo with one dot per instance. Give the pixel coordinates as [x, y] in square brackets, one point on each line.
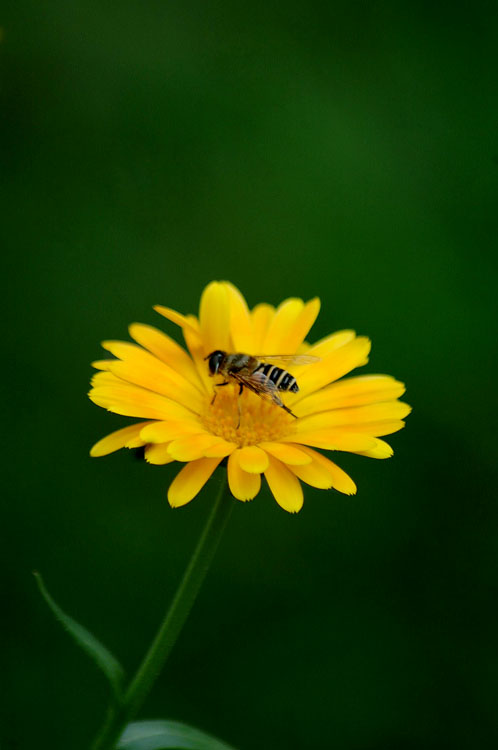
[167, 735]
[95, 650]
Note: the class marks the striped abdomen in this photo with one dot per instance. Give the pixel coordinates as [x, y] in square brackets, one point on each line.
[282, 380]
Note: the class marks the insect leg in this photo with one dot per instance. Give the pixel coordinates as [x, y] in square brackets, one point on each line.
[218, 385]
[277, 400]
[288, 410]
[241, 388]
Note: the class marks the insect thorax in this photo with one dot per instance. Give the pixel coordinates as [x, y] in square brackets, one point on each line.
[238, 362]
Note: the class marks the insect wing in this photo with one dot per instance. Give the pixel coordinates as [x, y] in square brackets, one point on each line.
[288, 359]
[258, 383]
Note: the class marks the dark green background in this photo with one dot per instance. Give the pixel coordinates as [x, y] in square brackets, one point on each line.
[345, 150]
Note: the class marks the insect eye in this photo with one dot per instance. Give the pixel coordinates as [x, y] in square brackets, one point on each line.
[215, 360]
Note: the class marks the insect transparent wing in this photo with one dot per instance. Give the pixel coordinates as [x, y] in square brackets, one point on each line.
[289, 359]
[263, 386]
[258, 383]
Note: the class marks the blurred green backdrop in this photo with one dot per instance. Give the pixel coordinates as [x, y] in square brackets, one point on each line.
[345, 150]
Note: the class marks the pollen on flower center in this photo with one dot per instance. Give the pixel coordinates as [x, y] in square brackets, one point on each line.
[260, 420]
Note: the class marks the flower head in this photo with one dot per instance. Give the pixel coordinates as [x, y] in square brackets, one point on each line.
[172, 390]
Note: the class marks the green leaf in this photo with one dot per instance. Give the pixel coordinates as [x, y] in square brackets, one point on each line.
[103, 658]
[166, 735]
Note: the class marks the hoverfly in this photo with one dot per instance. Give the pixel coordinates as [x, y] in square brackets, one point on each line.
[257, 373]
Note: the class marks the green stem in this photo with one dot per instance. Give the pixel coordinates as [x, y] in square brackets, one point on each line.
[118, 716]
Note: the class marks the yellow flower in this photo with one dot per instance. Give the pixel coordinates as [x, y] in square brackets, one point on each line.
[156, 380]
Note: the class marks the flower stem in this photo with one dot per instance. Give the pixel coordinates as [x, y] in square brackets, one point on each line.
[119, 715]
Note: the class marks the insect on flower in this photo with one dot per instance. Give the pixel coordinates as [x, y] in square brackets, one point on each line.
[258, 373]
[167, 390]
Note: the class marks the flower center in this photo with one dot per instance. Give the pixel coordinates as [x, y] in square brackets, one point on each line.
[247, 419]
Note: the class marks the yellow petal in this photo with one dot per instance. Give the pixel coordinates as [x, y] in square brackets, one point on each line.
[142, 368]
[183, 321]
[220, 450]
[324, 474]
[380, 449]
[192, 447]
[214, 317]
[117, 440]
[304, 348]
[388, 410]
[334, 365]
[243, 485]
[241, 333]
[197, 351]
[278, 332]
[332, 440]
[132, 401]
[376, 429]
[252, 459]
[299, 328]
[135, 442]
[164, 432]
[167, 350]
[126, 350]
[331, 342]
[287, 453]
[262, 316]
[158, 454]
[284, 485]
[105, 378]
[190, 480]
[101, 364]
[357, 391]
[159, 378]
